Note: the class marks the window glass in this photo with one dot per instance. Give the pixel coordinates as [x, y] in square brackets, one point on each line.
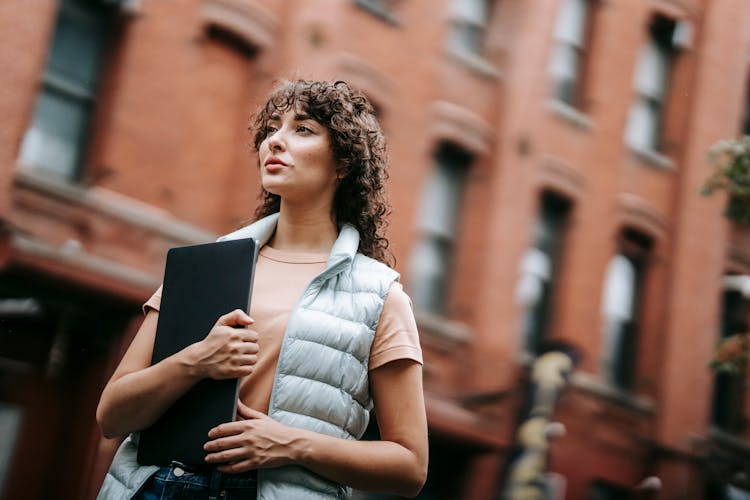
[437, 220]
[472, 11]
[428, 266]
[642, 127]
[76, 46]
[10, 421]
[571, 22]
[468, 24]
[651, 71]
[651, 83]
[602, 490]
[57, 136]
[53, 142]
[620, 308]
[568, 53]
[539, 266]
[728, 394]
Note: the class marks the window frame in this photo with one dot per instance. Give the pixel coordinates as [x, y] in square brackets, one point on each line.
[727, 401]
[619, 360]
[551, 227]
[74, 90]
[661, 33]
[582, 49]
[459, 25]
[444, 241]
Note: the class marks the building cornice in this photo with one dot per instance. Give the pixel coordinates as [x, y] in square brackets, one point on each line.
[244, 18]
[455, 123]
[110, 203]
[639, 214]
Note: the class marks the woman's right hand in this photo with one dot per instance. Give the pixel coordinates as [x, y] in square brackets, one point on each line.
[138, 392]
[228, 351]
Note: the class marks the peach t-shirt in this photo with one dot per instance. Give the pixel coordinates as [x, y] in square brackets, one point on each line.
[280, 278]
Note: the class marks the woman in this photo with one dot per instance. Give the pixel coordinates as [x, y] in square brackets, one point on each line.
[331, 335]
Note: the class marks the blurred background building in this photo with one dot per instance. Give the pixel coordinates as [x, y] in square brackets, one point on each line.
[546, 162]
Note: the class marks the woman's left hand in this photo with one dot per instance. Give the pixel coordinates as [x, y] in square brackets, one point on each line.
[255, 442]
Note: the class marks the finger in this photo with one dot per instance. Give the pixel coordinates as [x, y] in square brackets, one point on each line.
[247, 360]
[224, 430]
[237, 467]
[221, 444]
[247, 413]
[249, 347]
[224, 456]
[236, 317]
[249, 336]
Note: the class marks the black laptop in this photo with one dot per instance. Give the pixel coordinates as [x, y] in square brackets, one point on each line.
[201, 283]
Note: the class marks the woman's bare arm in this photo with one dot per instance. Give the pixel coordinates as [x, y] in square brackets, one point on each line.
[137, 394]
[395, 464]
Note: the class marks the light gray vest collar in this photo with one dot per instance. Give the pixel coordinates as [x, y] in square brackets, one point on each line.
[342, 252]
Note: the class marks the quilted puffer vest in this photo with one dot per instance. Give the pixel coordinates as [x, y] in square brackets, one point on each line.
[321, 381]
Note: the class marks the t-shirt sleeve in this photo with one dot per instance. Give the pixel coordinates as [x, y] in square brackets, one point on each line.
[396, 336]
[154, 302]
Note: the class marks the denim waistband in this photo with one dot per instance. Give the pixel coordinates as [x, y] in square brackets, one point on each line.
[207, 476]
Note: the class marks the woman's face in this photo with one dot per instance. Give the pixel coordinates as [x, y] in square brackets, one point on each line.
[296, 160]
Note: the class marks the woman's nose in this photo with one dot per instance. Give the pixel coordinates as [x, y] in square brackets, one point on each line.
[276, 141]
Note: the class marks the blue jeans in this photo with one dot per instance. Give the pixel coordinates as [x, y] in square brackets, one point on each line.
[183, 482]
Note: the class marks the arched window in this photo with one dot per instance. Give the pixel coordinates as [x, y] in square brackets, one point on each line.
[469, 19]
[746, 118]
[621, 297]
[617, 310]
[568, 61]
[643, 131]
[58, 136]
[728, 395]
[539, 269]
[437, 221]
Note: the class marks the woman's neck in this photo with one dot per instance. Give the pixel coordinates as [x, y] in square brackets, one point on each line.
[304, 230]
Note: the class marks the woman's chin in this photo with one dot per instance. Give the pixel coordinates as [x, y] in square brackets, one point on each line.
[274, 188]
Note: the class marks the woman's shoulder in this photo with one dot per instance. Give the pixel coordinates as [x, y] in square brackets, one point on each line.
[373, 275]
[365, 264]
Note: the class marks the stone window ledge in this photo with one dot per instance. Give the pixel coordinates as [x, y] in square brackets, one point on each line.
[593, 385]
[473, 62]
[570, 114]
[441, 327]
[653, 158]
[112, 204]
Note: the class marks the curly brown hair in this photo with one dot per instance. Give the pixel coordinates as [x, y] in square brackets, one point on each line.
[359, 150]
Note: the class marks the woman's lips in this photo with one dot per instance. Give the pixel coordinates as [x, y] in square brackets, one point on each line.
[273, 165]
[272, 168]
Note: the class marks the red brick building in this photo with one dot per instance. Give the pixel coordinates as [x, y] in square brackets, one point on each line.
[546, 160]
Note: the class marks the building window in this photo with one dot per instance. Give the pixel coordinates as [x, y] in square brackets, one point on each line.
[10, 421]
[539, 268]
[437, 222]
[643, 131]
[468, 25]
[57, 138]
[746, 124]
[568, 62]
[601, 490]
[621, 310]
[727, 403]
